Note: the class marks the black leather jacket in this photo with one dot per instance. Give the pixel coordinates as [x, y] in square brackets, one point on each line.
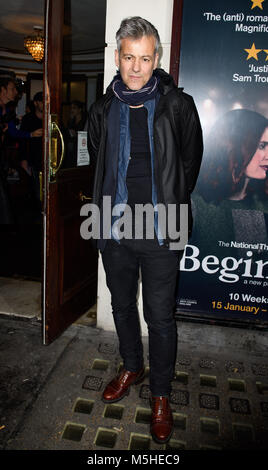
[178, 144]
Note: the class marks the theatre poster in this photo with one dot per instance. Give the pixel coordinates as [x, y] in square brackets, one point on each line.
[224, 66]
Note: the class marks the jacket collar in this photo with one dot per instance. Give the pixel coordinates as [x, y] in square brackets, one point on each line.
[166, 83]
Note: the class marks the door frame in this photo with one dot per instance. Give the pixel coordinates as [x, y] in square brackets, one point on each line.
[66, 293]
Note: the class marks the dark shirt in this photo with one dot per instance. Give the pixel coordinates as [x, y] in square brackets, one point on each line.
[31, 149]
[139, 174]
[12, 129]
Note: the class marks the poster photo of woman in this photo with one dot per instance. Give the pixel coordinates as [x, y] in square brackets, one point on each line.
[231, 187]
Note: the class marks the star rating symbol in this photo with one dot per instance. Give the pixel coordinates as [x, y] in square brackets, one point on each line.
[257, 3]
[253, 52]
[266, 50]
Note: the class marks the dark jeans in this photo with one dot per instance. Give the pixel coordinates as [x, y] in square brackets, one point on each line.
[159, 270]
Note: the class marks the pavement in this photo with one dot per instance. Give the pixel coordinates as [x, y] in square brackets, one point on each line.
[50, 395]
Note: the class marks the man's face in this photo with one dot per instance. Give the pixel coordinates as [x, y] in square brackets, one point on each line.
[11, 92]
[38, 106]
[137, 61]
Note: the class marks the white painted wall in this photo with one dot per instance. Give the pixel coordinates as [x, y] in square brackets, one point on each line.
[159, 13]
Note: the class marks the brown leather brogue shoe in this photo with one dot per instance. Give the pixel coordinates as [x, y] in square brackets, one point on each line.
[119, 386]
[162, 419]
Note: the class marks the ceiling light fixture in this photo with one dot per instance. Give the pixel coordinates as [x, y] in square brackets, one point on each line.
[35, 44]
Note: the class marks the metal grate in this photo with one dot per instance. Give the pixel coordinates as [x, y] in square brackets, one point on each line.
[217, 403]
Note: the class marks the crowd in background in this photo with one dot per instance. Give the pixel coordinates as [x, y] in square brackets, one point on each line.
[21, 152]
[20, 155]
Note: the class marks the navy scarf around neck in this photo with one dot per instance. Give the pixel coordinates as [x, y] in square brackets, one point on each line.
[135, 97]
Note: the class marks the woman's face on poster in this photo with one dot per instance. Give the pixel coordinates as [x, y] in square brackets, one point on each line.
[258, 165]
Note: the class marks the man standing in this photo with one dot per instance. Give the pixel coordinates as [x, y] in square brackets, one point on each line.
[145, 141]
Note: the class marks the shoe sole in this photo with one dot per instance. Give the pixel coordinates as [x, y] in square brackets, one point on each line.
[139, 380]
[161, 441]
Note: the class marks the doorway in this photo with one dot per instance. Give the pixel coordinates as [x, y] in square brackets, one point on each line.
[31, 277]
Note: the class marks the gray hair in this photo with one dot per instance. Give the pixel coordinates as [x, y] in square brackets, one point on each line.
[136, 27]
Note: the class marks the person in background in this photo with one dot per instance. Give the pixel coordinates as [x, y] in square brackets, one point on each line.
[31, 149]
[78, 118]
[8, 129]
[8, 94]
[76, 123]
[30, 107]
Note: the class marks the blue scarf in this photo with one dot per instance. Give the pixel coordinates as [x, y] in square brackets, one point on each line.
[135, 97]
